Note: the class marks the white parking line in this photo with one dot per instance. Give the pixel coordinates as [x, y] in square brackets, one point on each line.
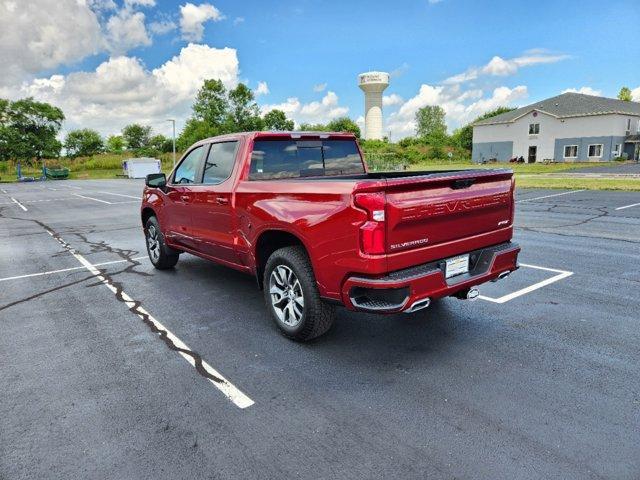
[505, 298]
[3, 190]
[549, 196]
[237, 397]
[91, 198]
[122, 195]
[628, 206]
[51, 272]
[19, 204]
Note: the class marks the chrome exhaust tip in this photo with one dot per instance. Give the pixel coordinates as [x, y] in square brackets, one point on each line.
[473, 294]
[418, 305]
[502, 276]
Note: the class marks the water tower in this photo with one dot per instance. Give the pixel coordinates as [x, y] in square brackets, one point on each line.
[373, 84]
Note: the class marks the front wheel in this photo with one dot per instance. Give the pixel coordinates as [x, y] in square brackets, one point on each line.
[161, 256]
[292, 296]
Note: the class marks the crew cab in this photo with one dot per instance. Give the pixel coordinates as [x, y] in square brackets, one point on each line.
[301, 212]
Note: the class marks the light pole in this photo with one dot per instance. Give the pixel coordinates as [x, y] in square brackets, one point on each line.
[173, 121]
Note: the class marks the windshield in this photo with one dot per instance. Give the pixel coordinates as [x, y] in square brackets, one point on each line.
[304, 158]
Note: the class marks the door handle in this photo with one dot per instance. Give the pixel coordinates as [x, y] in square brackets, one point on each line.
[222, 201]
[185, 198]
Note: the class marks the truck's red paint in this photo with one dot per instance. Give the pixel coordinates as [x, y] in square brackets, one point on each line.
[428, 217]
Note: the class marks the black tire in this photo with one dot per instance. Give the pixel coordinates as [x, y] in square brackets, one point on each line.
[316, 316]
[161, 256]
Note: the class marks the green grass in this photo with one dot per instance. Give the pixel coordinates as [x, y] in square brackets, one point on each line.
[628, 184]
[106, 165]
[532, 175]
[528, 168]
[528, 175]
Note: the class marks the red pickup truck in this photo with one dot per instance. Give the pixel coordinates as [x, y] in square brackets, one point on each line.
[301, 212]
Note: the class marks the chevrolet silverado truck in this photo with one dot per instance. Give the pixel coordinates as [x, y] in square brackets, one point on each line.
[302, 213]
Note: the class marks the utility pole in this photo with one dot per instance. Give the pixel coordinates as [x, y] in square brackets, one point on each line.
[173, 121]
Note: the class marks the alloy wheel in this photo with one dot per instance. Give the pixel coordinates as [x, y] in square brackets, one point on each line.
[287, 297]
[153, 243]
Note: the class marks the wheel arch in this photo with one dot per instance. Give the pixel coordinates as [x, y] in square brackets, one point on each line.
[268, 242]
[146, 214]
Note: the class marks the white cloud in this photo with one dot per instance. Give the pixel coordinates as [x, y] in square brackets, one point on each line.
[142, 3]
[635, 94]
[460, 107]
[162, 27]
[401, 70]
[37, 36]
[433, 2]
[393, 99]
[238, 21]
[99, 5]
[320, 87]
[321, 111]
[184, 73]
[261, 89]
[192, 19]
[499, 66]
[126, 30]
[121, 90]
[585, 90]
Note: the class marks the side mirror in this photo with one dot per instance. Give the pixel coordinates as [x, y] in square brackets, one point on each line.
[156, 180]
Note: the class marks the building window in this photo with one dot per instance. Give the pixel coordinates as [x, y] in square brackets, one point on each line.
[628, 126]
[595, 150]
[534, 128]
[570, 151]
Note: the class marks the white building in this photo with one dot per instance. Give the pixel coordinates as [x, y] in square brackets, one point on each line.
[571, 127]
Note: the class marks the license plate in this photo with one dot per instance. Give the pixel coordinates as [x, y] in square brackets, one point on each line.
[457, 265]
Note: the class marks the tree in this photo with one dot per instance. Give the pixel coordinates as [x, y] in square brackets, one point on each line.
[277, 120]
[28, 129]
[212, 104]
[115, 144]
[194, 131]
[344, 124]
[313, 127]
[463, 136]
[625, 94]
[217, 111]
[136, 136]
[83, 143]
[160, 143]
[430, 121]
[244, 114]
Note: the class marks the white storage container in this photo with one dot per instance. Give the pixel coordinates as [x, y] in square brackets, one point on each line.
[140, 167]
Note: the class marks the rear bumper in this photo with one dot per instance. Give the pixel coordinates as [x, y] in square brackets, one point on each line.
[400, 290]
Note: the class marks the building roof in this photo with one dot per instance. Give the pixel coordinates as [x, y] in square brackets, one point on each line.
[569, 105]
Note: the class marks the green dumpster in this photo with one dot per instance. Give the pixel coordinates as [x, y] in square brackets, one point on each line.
[56, 173]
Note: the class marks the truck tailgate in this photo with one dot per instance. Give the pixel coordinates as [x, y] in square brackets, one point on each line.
[431, 210]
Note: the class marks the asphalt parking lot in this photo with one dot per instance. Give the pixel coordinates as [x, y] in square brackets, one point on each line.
[538, 379]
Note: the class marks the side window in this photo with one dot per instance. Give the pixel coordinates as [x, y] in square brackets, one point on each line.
[188, 168]
[219, 163]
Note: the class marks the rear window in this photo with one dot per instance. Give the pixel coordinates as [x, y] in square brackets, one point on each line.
[272, 159]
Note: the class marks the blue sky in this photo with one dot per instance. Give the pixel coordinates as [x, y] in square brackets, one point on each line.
[452, 52]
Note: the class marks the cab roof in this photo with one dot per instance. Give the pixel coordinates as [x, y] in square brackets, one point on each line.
[278, 134]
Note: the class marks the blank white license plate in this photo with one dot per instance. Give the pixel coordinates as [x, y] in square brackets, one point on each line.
[457, 265]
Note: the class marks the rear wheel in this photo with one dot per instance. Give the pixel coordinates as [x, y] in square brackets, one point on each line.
[161, 256]
[292, 296]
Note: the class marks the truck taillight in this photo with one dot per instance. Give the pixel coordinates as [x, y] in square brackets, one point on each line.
[372, 232]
